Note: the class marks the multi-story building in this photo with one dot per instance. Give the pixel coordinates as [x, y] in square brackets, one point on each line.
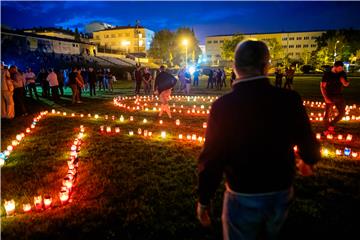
[96, 26]
[295, 45]
[127, 39]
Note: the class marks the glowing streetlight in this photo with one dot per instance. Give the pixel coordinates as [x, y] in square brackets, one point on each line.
[185, 43]
[335, 50]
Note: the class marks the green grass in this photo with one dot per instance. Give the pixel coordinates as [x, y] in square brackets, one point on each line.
[132, 188]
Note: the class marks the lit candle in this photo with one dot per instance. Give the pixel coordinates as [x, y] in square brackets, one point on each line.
[53, 111]
[338, 152]
[101, 128]
[349, 137]
[64, 113]
[19, 137]
[340, 137]
[28, 130]
[131, 118]
[47, 201]
[106, 117]
[144, 121]
[329, 136]
[108, 129]
[295, 148]
[131, 133]
[163, 134]
[9, 148]
[9, 207]
[347, 151]
[204, 125]
[117, 129]
[38, 202]
[64, 196]
[67, 182]
[193, 137]
[325, 152]
[32, 126]
[139, 131]
[145, 133]
[96, 116]
[318, 136]
[188, 137]
[177, 122]
[354, 154]
[161, 121]
[26, 207]
[89, 115]
[73, 114]
[81, 115]
[149, 134]
[121, 118]
[14, 143]
[180, 136]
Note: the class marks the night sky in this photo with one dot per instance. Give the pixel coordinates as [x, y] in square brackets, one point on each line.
[207, 18]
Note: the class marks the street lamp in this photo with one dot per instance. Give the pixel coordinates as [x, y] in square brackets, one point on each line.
[185, 43]
[335, 50]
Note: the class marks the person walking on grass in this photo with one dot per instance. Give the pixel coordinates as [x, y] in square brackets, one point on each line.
[30, 82]
[164, 82]
[247, 141]
[331, 86]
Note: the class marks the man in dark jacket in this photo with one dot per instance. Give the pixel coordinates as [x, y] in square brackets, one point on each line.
[250, 138]
[92, 81]
[164, 82]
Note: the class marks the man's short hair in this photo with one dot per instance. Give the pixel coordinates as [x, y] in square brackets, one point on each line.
[338, 64]
[251, 55]
[162, 68]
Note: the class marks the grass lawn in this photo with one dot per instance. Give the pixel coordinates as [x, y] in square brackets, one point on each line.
[130, 187]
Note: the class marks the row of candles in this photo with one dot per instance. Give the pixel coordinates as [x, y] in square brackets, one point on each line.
[46, 201]
[339, 137]
[19, 138]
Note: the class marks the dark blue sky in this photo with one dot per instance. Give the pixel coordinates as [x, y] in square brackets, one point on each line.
[207, 18]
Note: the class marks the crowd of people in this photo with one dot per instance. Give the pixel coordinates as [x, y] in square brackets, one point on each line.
[289, 77]
[16, 85]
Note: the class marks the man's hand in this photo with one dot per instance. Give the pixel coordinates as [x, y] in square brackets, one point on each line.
[202, 213]
[304, 169]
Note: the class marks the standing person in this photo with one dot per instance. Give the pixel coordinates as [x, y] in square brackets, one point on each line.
[92, 81]
[223, 77]
[278, 77]
[246, 140]
[60, 77]
[138, 79]
[43, 83]
[331, 87]
[196, 77]
[110, 81]
[106, 79]
[210, 79]
[182, 80]
[84, 75]
[289, 77]
[147, 81]
[73, 85]
[54, 84]
[18, 82]
[219, 79]
[164, 82]
[80, 83]
[187, 77]
[30, 82]
[7, 91]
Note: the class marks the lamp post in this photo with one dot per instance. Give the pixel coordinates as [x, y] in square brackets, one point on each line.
[335, 50]
[185, 43]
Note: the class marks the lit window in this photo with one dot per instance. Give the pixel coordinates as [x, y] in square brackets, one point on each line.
[291, 38]
[298, 46]
[209, 42]
[306, 38]
[305, 46]
[284, 39]
[298, 38]
[215, 41]
[221, 41]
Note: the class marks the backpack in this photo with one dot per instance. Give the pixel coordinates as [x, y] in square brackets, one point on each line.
[166, 81]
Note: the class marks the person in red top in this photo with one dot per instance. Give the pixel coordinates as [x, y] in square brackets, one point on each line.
[331, 86]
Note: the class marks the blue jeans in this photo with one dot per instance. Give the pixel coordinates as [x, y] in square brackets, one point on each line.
[254, 216]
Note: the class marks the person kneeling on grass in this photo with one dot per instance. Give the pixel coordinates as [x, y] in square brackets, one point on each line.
[246, 140]
[164, 82]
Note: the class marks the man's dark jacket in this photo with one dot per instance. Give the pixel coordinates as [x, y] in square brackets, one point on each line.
[250, 137]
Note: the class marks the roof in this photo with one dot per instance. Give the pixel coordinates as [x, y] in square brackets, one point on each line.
[50, 29]
[120, 27]
[21, 33]
[258, 33]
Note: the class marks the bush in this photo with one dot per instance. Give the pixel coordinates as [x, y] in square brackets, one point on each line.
[307, 69]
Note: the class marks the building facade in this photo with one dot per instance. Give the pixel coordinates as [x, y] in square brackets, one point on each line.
[295, 45]
[124, 39]
[96, 26]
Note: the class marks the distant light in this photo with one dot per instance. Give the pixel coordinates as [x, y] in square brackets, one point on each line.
[191, 69]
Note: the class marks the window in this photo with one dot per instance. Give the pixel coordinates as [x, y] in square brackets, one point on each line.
[291, 46]
[221, 41]
[218, 55]
[284, 38]
[298, 46]
[305, 45]
[106, 36]
[73, 45]
[215, 41]
[313, 38]
[292, 38]
[306, 38]
[127, 34]
[291, 54]
[97, 37]
[297, 54]
[120, 34]
[298, 38]
[284, 46]
[113, 35]
[209, 42]
[313, 45]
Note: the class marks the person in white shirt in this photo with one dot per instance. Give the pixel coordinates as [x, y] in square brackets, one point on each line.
[54, 84]
[7, 91]
[30, 82]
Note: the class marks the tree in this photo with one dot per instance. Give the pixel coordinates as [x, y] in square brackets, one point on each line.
[161, 46]
[228, 47]
[77, 35]
[275, 49]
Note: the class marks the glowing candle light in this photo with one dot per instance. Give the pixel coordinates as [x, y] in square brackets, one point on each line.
[349, 138]
[73, 148]
[68, 183]
[338, 152]
[9, 207]
[193, 137]
[139, 131]
[9, 148]
[38, 202]
[117, 129]
[163, 134]
[149, 134]
[347, 151]
[177, 122]
[28, 130]
[329, 136]
[121, 118]
[32, 126]
[188, 137]
[89, 115]
[64, 113]
[106, 117]
[108, 129]
[204, 125]
[340, 137]
[53, 111]
[113, 118]
[73, 114]
[14, 143]
[131, 118]
[144, 121]
[180, 136]
[200, 139]
[354, 154]
[161, 121]
[64, 196]
[6, 153]
[318, 136]
[101, 128]
[19, 137]
[325, 152]
[82, 115]
[58, 112]
[145, 133]
[96, 116]
[47, 201]
[295, 148]
[131, 133]
[26, 207]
